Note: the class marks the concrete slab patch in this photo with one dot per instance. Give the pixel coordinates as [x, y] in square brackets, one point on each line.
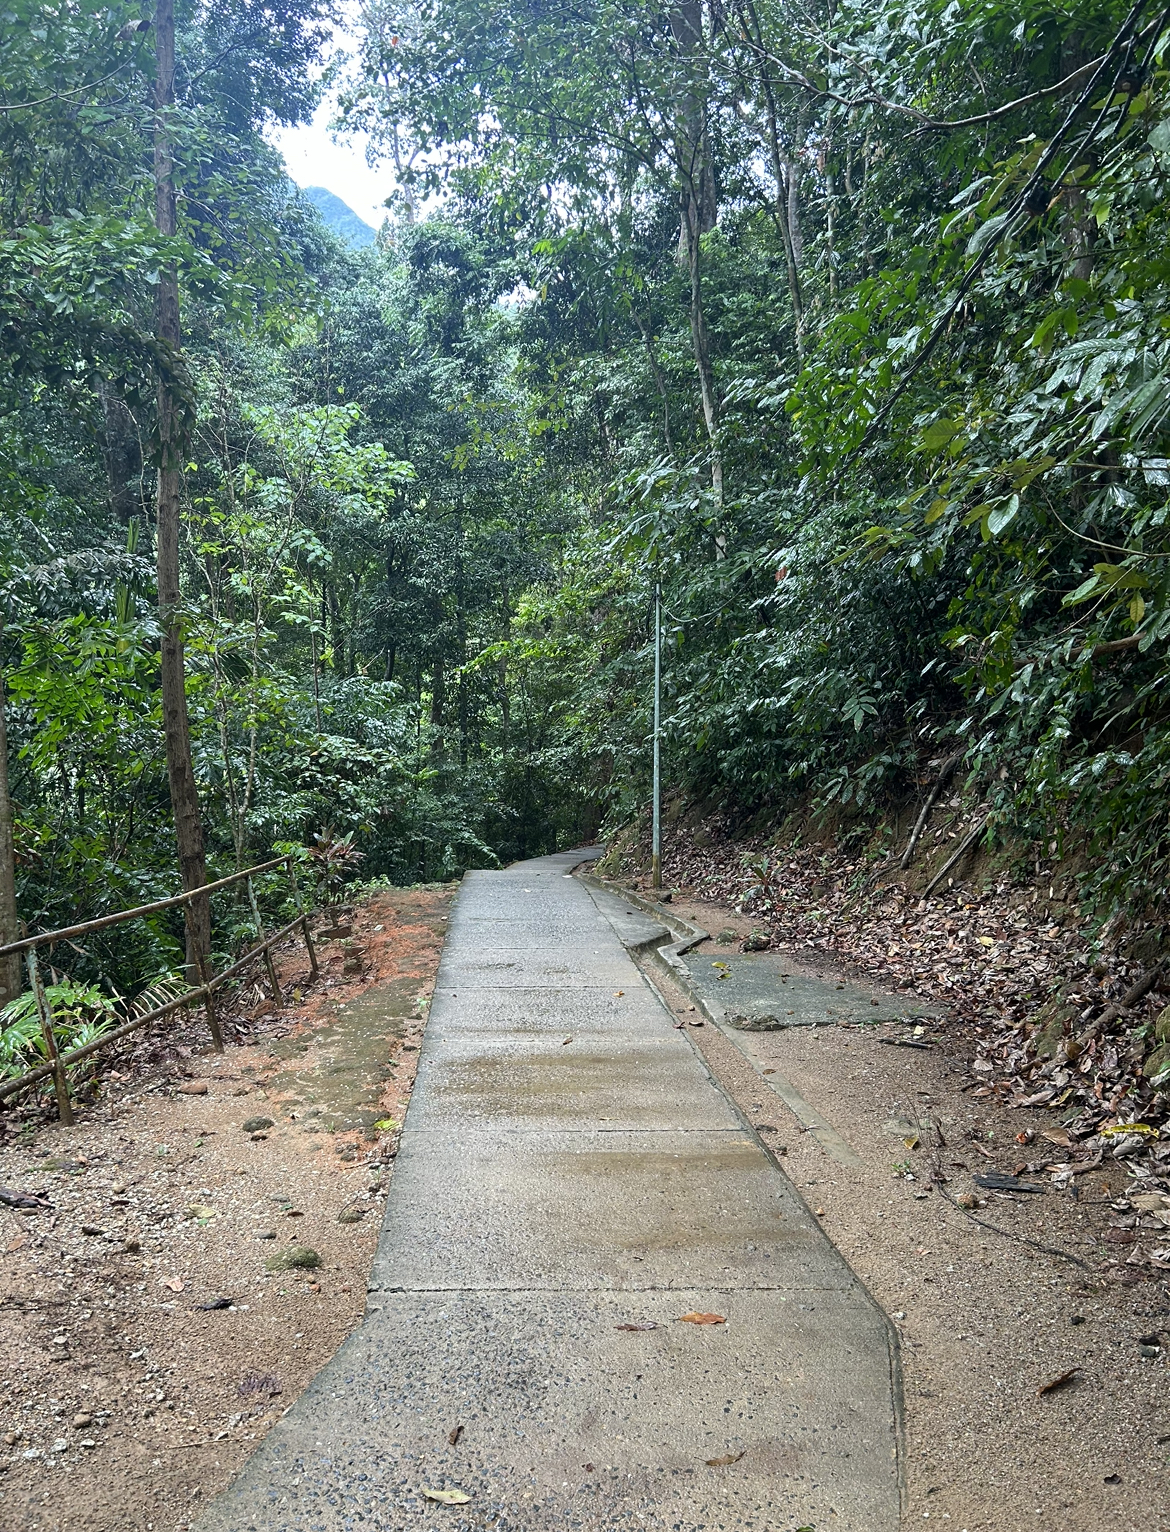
[755, 991]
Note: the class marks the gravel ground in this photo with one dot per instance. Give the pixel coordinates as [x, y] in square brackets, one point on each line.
[145, 1344]
[985, 1320]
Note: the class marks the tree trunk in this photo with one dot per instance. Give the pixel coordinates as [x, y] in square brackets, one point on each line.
[699, 208]
[701, 342]
[782, 178]
[9, 925]
[176, 727]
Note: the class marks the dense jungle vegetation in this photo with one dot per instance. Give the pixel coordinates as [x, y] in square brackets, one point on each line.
[846, 324]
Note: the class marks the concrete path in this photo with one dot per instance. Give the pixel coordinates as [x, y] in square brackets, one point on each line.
[570, 1183]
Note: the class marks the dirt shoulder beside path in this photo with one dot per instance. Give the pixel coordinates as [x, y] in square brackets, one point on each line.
[1002, 946]
[145, 1343]
[985, 1320]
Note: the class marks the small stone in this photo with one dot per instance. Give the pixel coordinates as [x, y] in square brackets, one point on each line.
[131, 1246]
[88, 1443]
[293, 1258]
[193, 1088]
[91, 1228]
[258, 1124]
[267, 1234]
[12, 1437]
[81, 1420]
[60, 1444]
[60, 1340]
[351, 1215]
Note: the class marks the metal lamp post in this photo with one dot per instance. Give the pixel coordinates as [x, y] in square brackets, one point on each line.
[656, 813]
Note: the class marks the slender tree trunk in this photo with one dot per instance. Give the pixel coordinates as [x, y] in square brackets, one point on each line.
[781, 176]
[9, 925]
[792, 175]
[701, 342]
[180, 771]
[699, 208]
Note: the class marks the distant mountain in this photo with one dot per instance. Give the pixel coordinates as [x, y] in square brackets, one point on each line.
[340, 218]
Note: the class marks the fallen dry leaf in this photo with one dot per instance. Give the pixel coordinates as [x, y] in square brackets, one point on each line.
[447, 1496]
[649, 1325]
[1058, 1136]
[17, 1242]
[1150, 1202]
[174, 1283]
[695, 1318]
[731, 1457]
[1061, 1379]
[454, 1434]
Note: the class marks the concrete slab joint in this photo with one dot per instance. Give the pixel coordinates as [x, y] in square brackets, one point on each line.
[573, 1197]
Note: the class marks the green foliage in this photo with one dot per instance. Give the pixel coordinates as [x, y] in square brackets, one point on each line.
[845, 333]
[80, 1012]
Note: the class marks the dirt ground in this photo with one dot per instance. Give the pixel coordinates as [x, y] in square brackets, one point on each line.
[145, 1343]
[985, 1320]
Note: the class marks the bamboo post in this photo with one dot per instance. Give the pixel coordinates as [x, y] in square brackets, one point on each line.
[296, 893]
[268, 963]
[60, 1080]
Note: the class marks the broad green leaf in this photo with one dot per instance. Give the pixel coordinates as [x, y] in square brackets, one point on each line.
[939, 434]
[1002, 515]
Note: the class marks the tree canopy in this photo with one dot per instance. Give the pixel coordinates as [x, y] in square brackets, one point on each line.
[843, 327]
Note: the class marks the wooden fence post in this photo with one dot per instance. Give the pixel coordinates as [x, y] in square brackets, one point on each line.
[296, 892]
[60, 1079]
[268, 963]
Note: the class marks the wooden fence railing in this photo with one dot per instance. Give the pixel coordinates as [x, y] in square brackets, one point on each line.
[57, 1062]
